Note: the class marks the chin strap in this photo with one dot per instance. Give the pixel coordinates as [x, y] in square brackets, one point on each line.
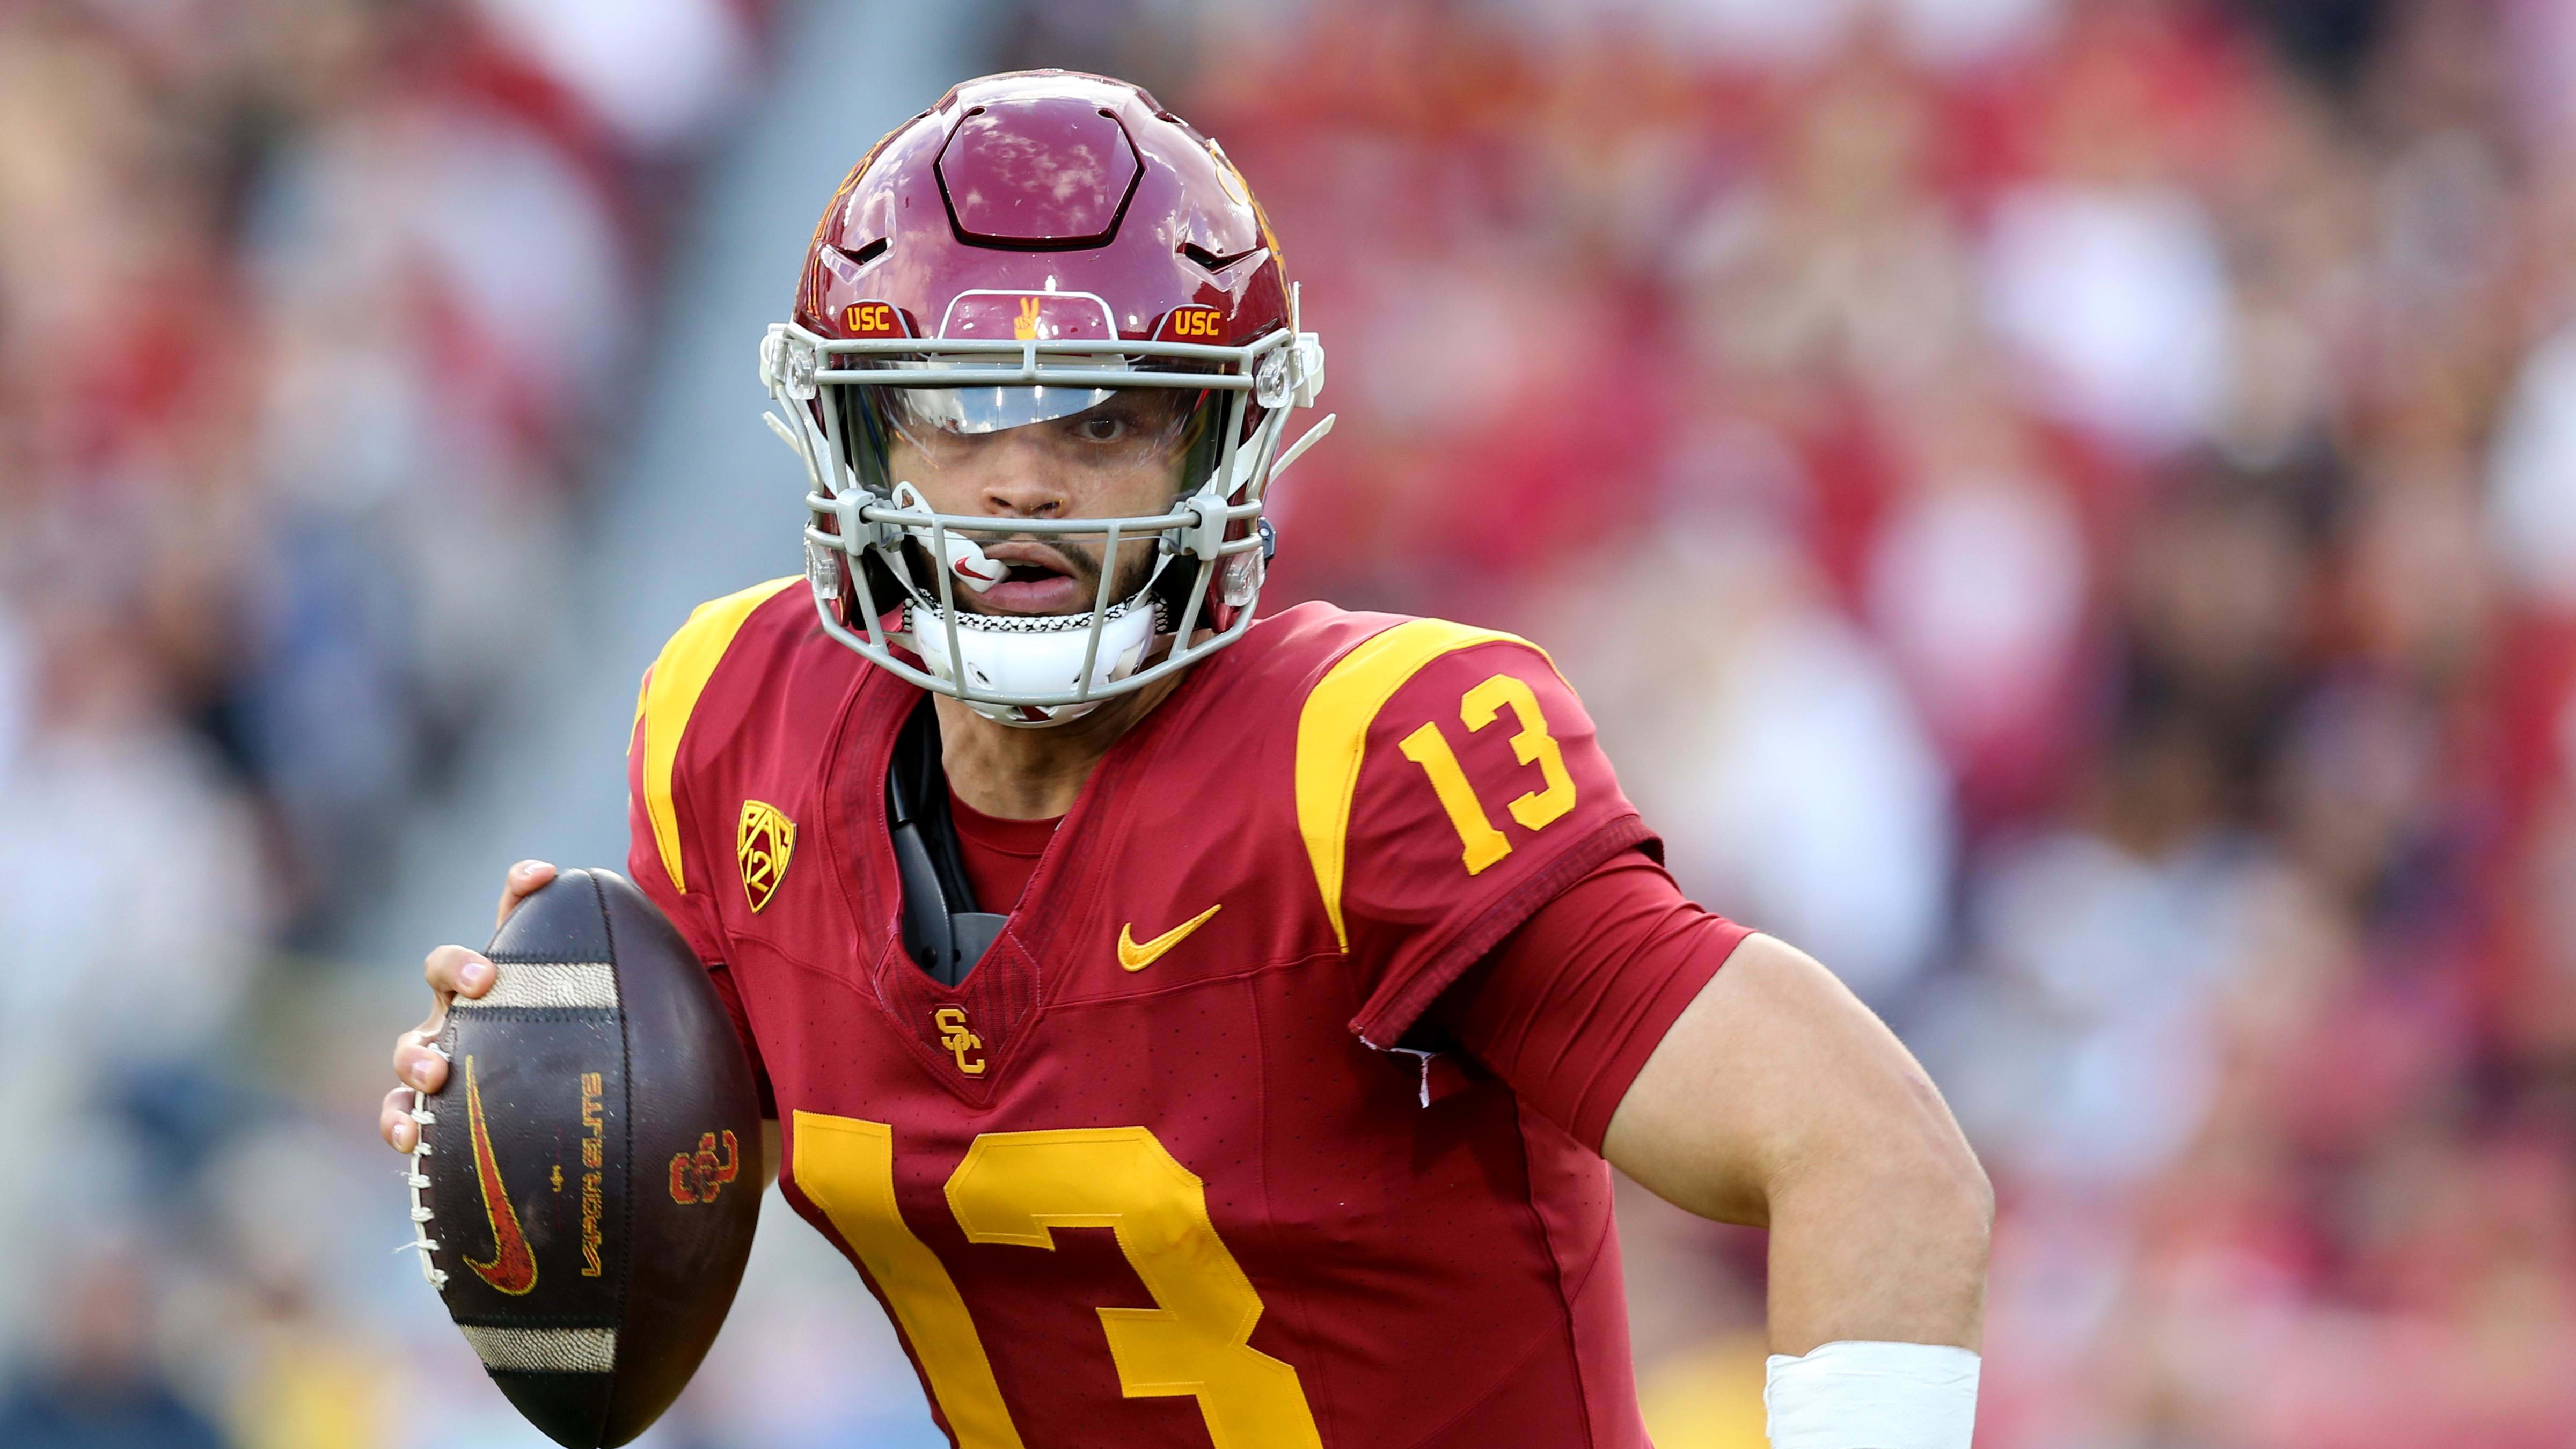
[1035, 653]
[1297, 449]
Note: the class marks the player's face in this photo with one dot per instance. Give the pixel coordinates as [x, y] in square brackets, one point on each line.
[1121, 457]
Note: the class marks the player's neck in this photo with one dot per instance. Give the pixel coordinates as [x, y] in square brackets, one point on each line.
[1022, 774]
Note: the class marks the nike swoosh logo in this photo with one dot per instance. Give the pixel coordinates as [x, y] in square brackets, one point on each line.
[1136, 957]
[513, 1269]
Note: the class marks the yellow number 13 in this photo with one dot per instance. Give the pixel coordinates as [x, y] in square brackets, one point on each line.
[1017, 1187]
[1481, 843]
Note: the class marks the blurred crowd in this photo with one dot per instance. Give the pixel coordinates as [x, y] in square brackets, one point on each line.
[310, 312]
[2064, 508]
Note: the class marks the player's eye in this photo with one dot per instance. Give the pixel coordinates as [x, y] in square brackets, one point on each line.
[1101, 428]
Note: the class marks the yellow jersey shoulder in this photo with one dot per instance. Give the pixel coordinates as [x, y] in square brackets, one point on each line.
[669, 698]
[1335, 720]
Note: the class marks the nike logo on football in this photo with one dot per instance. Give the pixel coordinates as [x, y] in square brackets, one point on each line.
[513, 1269]
[1136, 956]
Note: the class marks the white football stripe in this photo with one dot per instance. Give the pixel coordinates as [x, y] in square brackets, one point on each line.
[544, 1350]
[549, 983]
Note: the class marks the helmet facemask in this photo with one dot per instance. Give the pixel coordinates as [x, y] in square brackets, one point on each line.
[1163, 588]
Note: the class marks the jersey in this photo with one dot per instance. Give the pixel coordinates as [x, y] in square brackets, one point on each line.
[1157, 1171]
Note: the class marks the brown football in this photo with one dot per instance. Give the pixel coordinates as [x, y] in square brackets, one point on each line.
[587, 1182]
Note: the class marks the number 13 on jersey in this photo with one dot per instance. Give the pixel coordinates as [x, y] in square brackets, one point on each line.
[1481, 843]
[1015, 1188]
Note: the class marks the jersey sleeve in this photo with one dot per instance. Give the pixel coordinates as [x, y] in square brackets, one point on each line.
[1570, 1006]
[646, 867]
[1449, 784]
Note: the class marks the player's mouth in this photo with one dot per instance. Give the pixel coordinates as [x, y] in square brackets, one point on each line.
[1039, 578]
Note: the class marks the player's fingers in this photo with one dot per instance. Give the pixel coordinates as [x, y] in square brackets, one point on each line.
[394, 1123]
[456, 971]
[520, 883]
[416, 1065]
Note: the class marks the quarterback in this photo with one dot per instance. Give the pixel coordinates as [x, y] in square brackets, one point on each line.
[1202, 1027]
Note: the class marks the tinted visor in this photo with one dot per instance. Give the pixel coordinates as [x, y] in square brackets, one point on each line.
[1081, 427]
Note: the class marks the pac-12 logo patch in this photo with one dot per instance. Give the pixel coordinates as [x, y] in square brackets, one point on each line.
[764, 842]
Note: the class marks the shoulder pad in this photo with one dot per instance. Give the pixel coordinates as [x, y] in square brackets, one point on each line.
[670, 694]
[1333, 730]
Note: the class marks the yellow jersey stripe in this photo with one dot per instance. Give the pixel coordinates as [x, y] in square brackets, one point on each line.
[845, 1166]
[671, 693]
[1332, 735]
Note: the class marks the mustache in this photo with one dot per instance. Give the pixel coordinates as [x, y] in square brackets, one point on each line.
[1031, 551]
[1075, 561]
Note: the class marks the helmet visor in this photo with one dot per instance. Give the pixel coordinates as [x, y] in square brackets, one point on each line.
[1084, 430]
[968, 411]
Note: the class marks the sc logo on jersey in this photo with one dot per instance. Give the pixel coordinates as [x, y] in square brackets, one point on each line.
[954, 1035]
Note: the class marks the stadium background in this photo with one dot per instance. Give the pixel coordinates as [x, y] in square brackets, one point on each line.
[2066, 508]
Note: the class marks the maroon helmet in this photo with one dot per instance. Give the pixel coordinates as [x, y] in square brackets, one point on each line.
[1040, 248]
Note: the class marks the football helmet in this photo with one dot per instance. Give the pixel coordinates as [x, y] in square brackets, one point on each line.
[1053, 251]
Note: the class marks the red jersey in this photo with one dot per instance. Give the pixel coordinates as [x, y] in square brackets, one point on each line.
[1150, 1175]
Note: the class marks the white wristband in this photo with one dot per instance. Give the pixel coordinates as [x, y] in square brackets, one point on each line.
[1851, 1395]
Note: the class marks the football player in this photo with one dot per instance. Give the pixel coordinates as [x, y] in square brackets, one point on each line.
[1199, 1028]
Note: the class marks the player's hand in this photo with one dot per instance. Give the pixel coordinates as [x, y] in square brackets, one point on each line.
[452, 971]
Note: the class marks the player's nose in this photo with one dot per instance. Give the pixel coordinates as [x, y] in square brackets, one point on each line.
[1020, 484]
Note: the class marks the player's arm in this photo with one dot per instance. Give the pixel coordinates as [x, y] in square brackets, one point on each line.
[645, 868]
[1511, 901]
[1733, 1075]
[651, 870]
[1778, 1099]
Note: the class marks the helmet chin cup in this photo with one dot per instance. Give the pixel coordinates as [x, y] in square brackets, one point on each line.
[965, 559]
[1019, 655]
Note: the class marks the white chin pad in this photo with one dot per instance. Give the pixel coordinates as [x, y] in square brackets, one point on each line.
[1007, 660]
[965, 559]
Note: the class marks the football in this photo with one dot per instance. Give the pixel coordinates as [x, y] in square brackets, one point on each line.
[587, 1181]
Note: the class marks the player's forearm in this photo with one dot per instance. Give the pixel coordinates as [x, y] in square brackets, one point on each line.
[1883, 1238]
